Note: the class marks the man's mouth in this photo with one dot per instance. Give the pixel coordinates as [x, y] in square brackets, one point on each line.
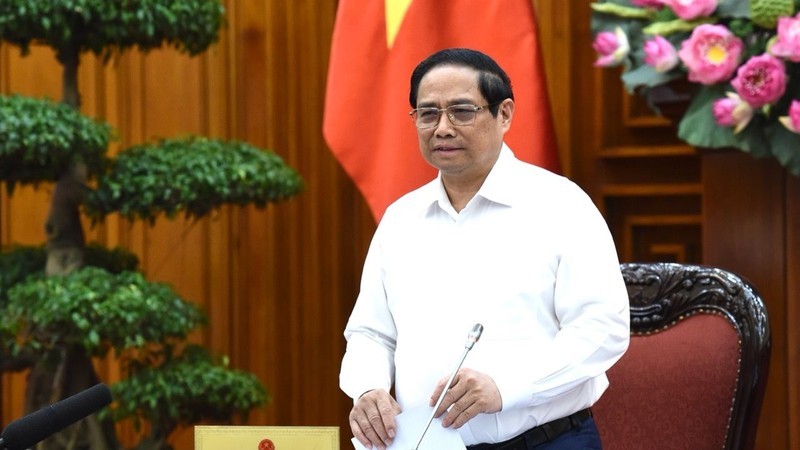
[445, 148]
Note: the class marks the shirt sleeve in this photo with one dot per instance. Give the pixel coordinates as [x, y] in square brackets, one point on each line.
[370, 332]
[592, 308]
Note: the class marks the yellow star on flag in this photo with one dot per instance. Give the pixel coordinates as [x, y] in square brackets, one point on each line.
[395, 11]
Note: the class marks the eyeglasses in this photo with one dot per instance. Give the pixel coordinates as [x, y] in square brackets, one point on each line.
[459, 115]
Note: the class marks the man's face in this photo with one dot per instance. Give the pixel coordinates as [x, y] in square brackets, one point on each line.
[466, 152]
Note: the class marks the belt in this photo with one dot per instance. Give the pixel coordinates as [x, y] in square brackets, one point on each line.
[538, 435]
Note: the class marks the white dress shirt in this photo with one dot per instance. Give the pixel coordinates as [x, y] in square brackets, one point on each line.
[529, 257]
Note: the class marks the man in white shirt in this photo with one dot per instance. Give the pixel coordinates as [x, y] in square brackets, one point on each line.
[491, 240]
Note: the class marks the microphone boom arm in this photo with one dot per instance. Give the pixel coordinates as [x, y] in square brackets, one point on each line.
[473, 337]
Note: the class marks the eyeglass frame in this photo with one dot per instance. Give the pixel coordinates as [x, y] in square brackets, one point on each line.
[439, 112]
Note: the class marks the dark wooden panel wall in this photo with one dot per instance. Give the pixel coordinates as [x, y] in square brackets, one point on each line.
[279, 283]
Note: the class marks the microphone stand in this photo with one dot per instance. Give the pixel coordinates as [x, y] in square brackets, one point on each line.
[473, 337]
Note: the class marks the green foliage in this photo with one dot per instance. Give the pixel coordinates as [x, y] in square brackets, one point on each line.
[99, 309]
[17, 264]
[699, 128]
[114, 260]
[765, 13]
[192, 174]
[39, 139]
[187, 389]
[103, 26]
[108, 304]
[96, 310]
[751, 21]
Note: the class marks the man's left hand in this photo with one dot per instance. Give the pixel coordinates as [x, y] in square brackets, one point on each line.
[471, 393]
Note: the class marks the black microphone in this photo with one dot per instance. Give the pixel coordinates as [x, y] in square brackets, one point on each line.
[37, 426]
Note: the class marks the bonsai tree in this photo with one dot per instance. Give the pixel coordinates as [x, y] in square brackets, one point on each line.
[65, 303]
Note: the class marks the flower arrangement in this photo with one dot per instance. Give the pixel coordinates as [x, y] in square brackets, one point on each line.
[741, 59]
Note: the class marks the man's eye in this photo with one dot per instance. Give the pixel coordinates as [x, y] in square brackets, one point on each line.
[464, 113]
[427, 113]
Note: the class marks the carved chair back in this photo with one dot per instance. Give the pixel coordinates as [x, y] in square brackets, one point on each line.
[695, 372]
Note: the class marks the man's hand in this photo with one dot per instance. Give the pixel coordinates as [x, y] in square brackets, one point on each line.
[471, 393]
[372, 419]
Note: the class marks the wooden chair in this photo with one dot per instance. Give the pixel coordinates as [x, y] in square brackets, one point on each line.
[694, 375]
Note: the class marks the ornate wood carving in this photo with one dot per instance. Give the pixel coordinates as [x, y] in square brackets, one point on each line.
[662, 294]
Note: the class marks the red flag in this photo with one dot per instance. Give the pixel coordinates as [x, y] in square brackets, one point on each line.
[377, 44]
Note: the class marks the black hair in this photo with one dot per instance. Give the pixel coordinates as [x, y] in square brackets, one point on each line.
[494, 84]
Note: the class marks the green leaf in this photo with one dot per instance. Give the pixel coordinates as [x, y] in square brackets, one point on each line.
[675, 26]
[628, 12]
[698, 127]
[765, 13]
[646, 75]
[786, 148]
[94, 338]
[608, 22]
[734, 9]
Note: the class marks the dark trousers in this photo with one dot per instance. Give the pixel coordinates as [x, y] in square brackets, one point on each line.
[585, 437]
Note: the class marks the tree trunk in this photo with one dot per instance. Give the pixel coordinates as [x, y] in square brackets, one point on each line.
[51, 381]
[65, 239]
[69, 370]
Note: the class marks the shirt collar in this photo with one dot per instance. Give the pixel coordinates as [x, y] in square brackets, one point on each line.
[496, 188]
[499, 186]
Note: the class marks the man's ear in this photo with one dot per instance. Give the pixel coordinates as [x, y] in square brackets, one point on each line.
[506, 113]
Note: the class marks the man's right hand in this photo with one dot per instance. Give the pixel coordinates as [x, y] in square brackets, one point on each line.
[372, 419]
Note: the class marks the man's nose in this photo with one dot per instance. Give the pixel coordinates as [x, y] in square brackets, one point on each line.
[445, 126]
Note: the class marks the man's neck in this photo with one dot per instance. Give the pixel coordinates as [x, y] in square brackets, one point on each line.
[462, 186]
[460, 192]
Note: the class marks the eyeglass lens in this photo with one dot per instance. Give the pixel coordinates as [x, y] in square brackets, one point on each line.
[458, 115]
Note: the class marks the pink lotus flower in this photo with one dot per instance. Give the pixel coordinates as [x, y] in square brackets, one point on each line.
[732, 111]
[648, 3]
[787, 44]
[691, 9]
[792, 121]
[711, 54]
[613, 48]
[760, 80]
[659, 53]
